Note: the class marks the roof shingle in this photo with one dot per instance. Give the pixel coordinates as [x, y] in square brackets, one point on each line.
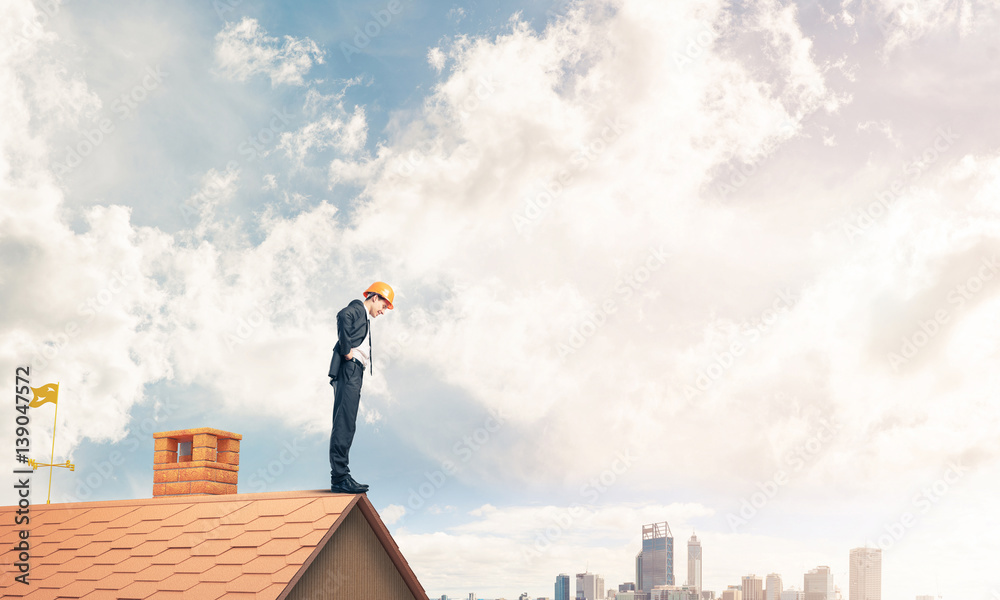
[231, 546]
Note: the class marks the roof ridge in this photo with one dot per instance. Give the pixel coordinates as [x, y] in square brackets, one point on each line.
[185, 499]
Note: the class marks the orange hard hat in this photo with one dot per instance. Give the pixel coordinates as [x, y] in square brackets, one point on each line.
[382, 289]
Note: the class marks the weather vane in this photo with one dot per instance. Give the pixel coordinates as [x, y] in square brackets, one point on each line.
[43, 395]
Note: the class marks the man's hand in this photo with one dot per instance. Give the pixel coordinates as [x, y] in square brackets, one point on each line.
[350, 355]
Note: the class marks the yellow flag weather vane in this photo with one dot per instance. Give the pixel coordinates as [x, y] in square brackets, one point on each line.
[43, 395]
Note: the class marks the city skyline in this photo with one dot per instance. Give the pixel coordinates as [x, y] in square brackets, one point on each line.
[863, 578]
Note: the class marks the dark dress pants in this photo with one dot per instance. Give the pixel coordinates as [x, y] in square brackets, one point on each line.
[346, 398]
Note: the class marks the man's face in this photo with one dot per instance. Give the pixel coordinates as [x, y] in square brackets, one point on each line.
[378, 306]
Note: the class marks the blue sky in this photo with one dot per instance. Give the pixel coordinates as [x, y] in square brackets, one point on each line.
[728, 266]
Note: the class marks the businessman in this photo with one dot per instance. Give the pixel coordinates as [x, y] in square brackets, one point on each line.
[351, 356]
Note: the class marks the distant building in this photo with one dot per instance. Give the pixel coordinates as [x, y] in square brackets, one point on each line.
[674, 592]
[753, 588]
[589, 586]
[626, 587]
[472, 596]
[562, 587]
[632, 595]
[772, 588]
[657, 556]
[733, 592]
[793, 594]
[638, 571]
[818, 584]
[926, 598]
[707, 595]
[694, 562]
[866, 574]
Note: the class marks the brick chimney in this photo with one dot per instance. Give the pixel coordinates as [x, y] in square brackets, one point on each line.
[207, 464]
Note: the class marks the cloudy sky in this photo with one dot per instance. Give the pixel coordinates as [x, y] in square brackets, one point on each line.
[733, 266]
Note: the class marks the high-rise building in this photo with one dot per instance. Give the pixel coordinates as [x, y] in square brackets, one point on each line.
[638, 571]
[866, 574]
[562, 587]
[657, 556]
[472, 596]
[926, 598]
[694, 562]
[818, 584]
[792, 594]
[753, 588]
[773, 589]
[589, 586]
[628, 586]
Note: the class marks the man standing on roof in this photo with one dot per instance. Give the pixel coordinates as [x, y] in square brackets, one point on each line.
[351, 356]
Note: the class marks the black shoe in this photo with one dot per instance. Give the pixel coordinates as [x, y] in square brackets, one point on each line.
[351, 480]
[347, 485]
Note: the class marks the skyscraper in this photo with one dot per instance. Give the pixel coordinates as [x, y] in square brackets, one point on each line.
[589, 586]
[773, 589]
[818, 584]
[694, 562]
[562, 587]
[866, 574]
[657, 556]
[753, 588]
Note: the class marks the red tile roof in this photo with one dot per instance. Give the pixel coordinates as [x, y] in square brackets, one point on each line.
[229, 546]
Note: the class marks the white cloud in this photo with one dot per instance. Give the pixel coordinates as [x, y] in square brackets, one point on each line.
[345, 133]
[244, 49]
[903, 22]
[392, 513]
[436, 58]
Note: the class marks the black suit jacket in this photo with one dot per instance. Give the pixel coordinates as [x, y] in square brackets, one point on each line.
[352, 327]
